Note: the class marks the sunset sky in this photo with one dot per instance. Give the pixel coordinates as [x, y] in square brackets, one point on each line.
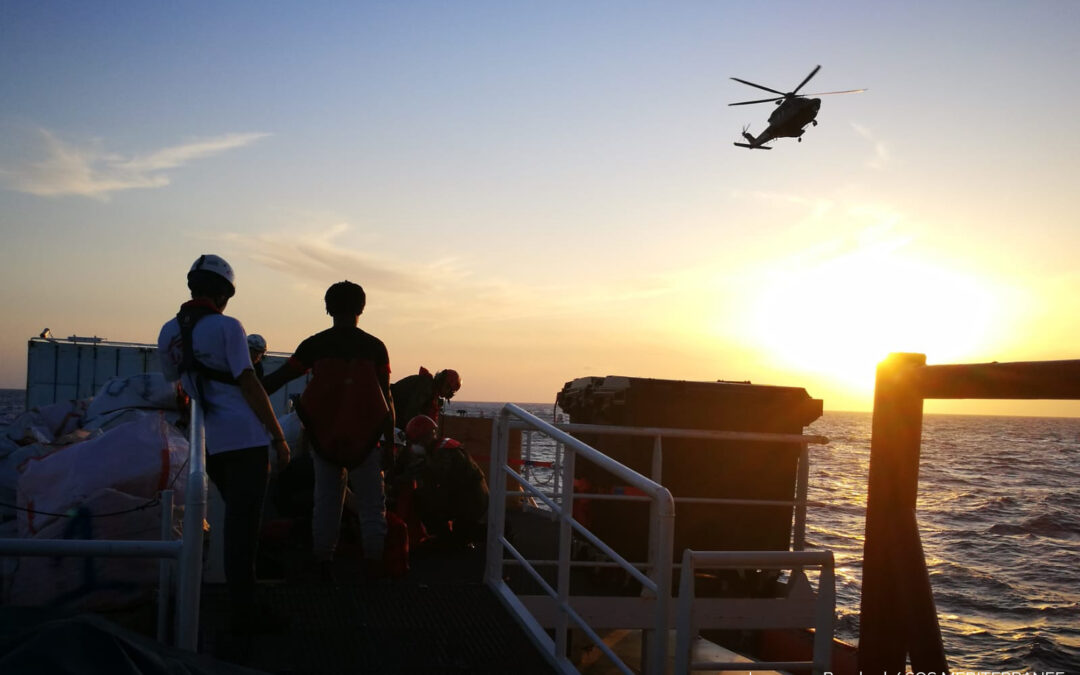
[532, 192]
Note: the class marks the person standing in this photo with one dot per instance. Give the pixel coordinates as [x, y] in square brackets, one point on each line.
[257, 350]
[346, 408]
[208, 352]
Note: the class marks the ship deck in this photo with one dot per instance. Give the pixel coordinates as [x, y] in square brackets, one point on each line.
[440, 618]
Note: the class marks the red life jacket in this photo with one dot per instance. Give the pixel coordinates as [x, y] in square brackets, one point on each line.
[344, 409]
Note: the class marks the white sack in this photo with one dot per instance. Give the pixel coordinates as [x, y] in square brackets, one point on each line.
[140, 458]
[146, 390]
[43, 424]
[115, 418]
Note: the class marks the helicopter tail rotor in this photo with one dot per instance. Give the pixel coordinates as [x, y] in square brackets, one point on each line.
[751, 141]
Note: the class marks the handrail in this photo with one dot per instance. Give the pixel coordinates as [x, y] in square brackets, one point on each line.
[662, 526]
[825, 606]
[189, 585]
[187, 550]
[701, 434]
[658, 433]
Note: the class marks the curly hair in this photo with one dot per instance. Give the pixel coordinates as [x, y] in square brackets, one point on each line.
[345, 299]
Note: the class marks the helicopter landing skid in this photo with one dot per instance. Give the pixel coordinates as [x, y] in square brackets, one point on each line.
[753, 147]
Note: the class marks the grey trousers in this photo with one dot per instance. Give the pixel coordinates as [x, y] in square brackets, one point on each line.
[365, 498]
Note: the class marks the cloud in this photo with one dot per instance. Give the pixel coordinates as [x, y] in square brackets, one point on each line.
[316, 257]
[90, 171]
[434, 294]
[881, 156]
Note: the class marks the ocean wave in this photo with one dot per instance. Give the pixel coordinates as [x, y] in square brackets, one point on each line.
[969, 584]
[1062, 498]
[1043, 653]
[996, 502]
[1045, 525]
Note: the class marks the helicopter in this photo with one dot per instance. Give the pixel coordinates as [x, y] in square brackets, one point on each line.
[792, 114]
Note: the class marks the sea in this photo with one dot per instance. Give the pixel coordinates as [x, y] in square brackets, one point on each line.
[999, 517]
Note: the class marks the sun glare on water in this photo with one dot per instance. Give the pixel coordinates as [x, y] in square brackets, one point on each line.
[840, 317]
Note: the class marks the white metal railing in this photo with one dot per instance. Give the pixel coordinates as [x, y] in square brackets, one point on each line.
[759, 612]
[657, 584]
[653, 614]
[187, 551]
[656, 474]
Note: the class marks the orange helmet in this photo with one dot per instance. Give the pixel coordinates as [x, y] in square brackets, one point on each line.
[419, 427]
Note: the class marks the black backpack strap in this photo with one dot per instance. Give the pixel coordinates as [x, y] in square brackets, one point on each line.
[188, 317]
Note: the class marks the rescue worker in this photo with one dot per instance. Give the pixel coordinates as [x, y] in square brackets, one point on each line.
[207, 352]
[346, 409]
[449, 495]
[257, 349]
[424, 393]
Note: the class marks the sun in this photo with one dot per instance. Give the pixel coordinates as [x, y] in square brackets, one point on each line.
[841, 316]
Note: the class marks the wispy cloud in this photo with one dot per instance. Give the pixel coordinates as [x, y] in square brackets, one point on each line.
[436, 293]
[881, 155]
[91, 171]
[319, 258]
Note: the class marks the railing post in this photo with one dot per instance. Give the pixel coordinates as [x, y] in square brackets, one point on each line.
[190, 586]
[685, 631]
[656, 643]
[897, 615]
[165, 569]
[500, 442]
[566, 512]
[825, 617]
[802, 483]
[556, 488]
[657, 476]
[649, 643]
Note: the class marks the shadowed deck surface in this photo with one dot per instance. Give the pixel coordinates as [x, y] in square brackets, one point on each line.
[386, 628]
[439, 619]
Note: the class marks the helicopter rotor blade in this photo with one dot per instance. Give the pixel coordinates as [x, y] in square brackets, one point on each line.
[763, 100]
[801, 84]
[760, 87]
[846, 91]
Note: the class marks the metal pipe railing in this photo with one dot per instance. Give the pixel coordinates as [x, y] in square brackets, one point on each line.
[189, 585]
[165, 569]
[824, 609]
[658, 433]
[658, 582]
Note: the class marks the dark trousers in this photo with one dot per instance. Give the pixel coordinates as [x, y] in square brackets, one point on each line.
[241, 477]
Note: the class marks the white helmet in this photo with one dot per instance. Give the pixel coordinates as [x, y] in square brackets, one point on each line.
[256, 343]
[214, 264]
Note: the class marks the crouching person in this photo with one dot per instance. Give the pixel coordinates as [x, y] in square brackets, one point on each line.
[346, 409]
[445, 494]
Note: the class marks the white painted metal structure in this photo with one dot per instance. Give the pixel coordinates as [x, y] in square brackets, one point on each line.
[75, 368]
[653, 612]
[662, 520]
[186, 553]
[757, 613]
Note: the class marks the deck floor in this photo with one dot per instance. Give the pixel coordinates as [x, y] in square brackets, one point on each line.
[439, 619]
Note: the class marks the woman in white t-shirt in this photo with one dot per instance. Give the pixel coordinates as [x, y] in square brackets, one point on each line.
[215, 369]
